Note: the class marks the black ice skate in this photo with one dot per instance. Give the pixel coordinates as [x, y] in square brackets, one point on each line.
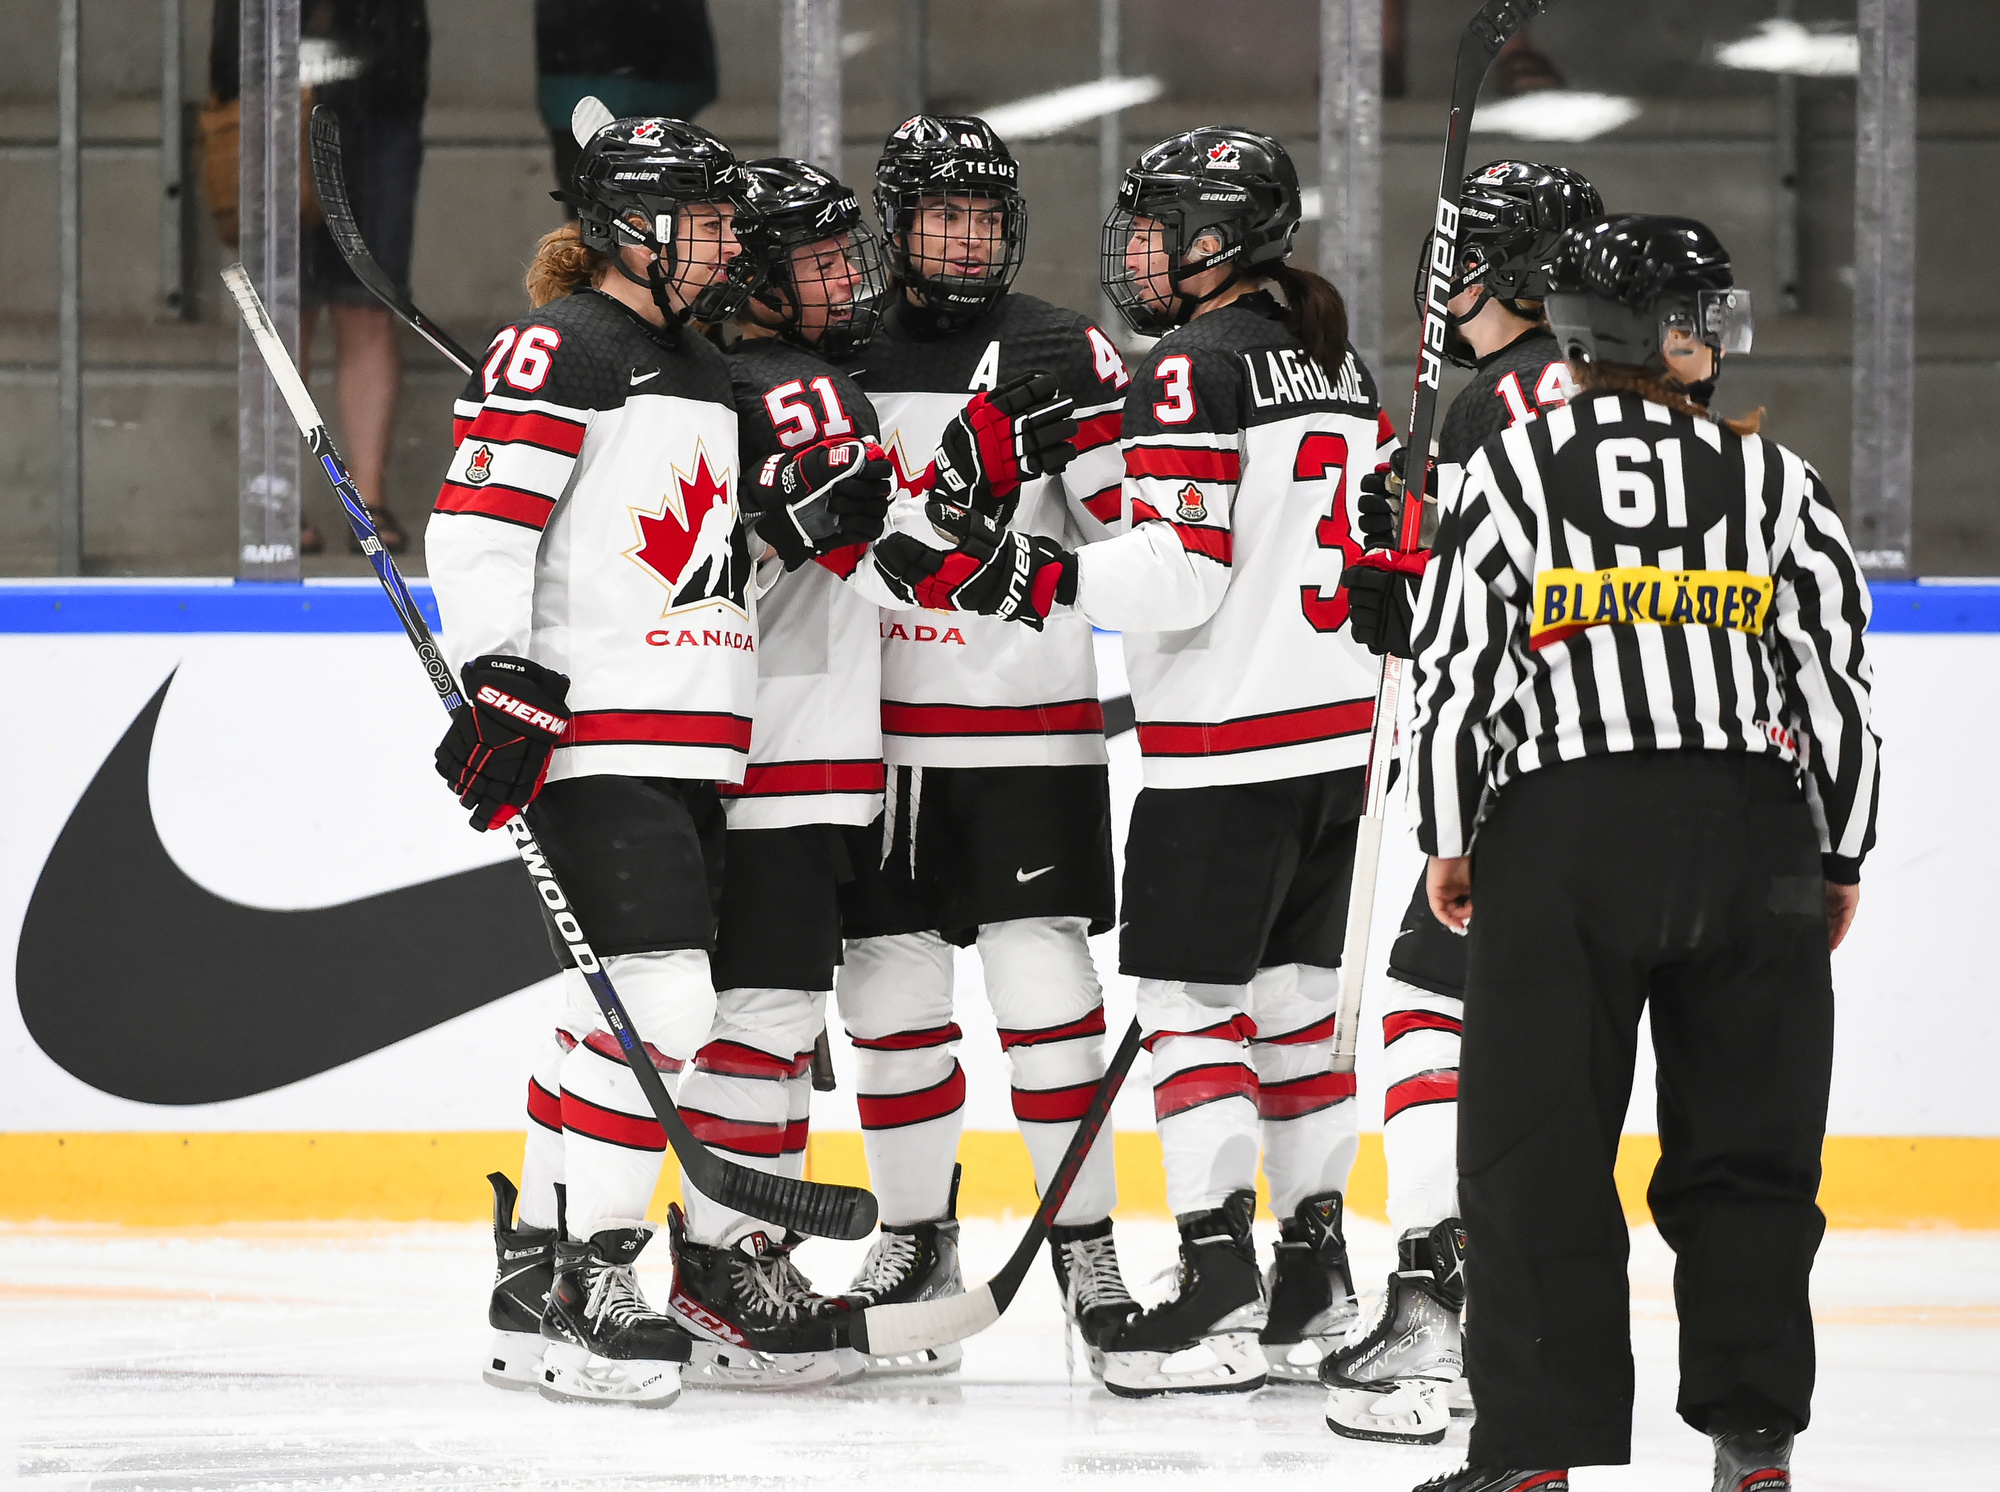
[1312, 1291]
[605, 1344]
[1217, 1305]
[1753, 1461]
[1095, 1299]
[1394, 1383]
[1486, 1479]
[911, 1261]
[524, 1268]
[755, 1320]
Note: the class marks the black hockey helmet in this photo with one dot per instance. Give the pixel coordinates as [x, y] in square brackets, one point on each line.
[1234, 184]
[932, 156]
[651, 168]
[1510, 215]
[1618, 288]
[789, 207]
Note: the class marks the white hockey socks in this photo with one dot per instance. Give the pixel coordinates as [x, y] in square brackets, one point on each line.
[1204, 1089]
[542, 1157]
[1310, 1121]
[1420, 1038]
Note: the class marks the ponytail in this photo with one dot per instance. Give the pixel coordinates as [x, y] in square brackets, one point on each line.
[562, 266]
[1316, 315]
[1618, 378]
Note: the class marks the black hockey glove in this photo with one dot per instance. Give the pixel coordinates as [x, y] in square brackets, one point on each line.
[496, 752]
[1001, 439]
[823, 498]
[993, 572]
[1377, 509]
[1382, 598]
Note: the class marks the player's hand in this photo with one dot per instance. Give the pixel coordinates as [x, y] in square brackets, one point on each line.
[822, 498]
[1448, 886]
[1377, 509]
[1016, 577]
[1022, 429]
[496, 753]
[1382, 599]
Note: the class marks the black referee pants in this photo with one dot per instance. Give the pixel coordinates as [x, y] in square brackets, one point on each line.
[1689, 881]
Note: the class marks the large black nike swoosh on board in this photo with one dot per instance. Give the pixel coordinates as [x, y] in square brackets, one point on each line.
[144, 985]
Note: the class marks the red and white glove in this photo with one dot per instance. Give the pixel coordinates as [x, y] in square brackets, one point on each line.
[822, 498]
[1022, 429]
[993, 572]
[496, 754]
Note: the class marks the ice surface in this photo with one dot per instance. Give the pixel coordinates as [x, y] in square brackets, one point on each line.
[348, 1357]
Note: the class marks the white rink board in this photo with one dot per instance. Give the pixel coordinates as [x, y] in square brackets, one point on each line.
[292, 771]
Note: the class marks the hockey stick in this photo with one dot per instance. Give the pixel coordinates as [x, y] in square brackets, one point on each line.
[1485, 34]
[330, 177]
[912, 1326]
[808, 1207]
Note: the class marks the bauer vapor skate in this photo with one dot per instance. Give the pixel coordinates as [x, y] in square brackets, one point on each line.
[1394, 1382]
[1203, 1339]
[1753, 1461]
[1095, 1300]
[911, 1261]
[1489, 1479]
[605, 1344]
[755, 1320]
[1312, 1291]
[524, 1268]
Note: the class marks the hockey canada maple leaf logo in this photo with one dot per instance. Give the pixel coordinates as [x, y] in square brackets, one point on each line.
[690, 542]
[1224, 156]
[900, 462]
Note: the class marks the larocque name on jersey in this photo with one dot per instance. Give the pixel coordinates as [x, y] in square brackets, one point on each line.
[1293, 378]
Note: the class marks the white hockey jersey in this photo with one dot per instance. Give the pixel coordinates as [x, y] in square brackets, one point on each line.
[972, 691]
[816, 747]
[588, 521]
[1241, 459]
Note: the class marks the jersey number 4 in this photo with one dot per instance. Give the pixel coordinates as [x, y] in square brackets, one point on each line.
[1324, 456]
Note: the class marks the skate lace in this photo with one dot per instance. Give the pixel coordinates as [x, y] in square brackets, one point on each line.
[614, 1298]
[771, 1286]
[888, 1264]
[1091, 1265]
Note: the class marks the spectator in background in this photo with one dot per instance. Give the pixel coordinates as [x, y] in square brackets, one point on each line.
[639, 56]
[369, 61]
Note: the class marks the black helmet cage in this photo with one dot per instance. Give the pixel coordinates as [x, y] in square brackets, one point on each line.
[1511, 213]
[932, 156]
[790, 205]
[1619, 287]
[652, 168]
[1233, 184]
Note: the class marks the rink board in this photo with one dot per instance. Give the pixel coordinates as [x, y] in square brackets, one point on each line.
[288, 780]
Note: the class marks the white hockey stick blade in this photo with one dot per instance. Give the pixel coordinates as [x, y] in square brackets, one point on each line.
[283, 372]
[588, 117]
[912, 1326]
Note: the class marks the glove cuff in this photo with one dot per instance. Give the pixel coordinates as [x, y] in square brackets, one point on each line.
[1395, 562]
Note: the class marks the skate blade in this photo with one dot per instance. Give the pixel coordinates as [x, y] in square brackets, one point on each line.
[575, 1375]
[922, 1362]
[1230, 1362]
[1459, 1397]
[1298, 1363]
[515, 1362]
[719, 1365]
[1413, 1413]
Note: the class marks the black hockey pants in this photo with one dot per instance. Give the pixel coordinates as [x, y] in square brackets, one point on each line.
[1689, 881]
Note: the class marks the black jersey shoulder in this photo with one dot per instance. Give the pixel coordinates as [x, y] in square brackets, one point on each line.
[1244, 367]
[800, 413]
[595, 354]
[907, 355]
[1481, 411]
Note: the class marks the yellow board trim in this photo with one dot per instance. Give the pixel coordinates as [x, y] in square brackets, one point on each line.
[176, 1180]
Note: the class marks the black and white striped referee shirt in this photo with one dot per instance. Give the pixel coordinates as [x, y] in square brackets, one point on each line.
[1619, 576]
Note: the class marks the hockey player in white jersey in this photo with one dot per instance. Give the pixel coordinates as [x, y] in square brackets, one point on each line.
[592, 580]
[998, 827]
[815, 491]
[1243, 433]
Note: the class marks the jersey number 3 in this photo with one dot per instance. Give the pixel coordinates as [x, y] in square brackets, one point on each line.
[1325, 456]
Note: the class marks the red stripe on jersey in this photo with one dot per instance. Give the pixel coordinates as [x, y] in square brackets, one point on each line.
[1320, 1030]
[606, 1046]
[1296, 1097]
[909, 1041]
[1090, 1025]
[544, 1108]
[459, 429]
[842, 561]
[1107, 506]
[1069, 717]
[508, 504]
[785, 779]
[1195, 1086]
[1098, 430]
[657, 728]
[1385, 428]
[1256, 732]
[1236, 1028]
[737, 1136]
[1053, 1105]
[1215, 543]
[1402, 1022]
[1197, 463]
[527, 428]
[1425, 1087]
[581, 1116]
[733, 1059]
[894, 1110]
[795, 1136]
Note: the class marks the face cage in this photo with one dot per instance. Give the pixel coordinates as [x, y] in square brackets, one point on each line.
[1457, 351]
[716, 301]
[852, 320]
[954, 293]
[1133, 298]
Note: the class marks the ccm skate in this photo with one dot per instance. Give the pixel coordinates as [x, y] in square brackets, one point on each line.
[1203, 1340]
[911, 1261]
[524, 1268]
[605, 1344]
[1095, 1300]
[755, 1320]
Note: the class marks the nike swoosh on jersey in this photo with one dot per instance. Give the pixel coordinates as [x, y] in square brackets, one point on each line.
[1025, 876]
[639, 378]
[147, 986]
